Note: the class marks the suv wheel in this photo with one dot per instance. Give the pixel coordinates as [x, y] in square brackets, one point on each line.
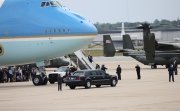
[88, 84]
[113, 82]
[72, 87]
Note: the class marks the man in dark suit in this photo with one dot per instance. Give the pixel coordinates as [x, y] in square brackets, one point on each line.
[59, 79]
[118, 72]
[171, 73]
[138, 69]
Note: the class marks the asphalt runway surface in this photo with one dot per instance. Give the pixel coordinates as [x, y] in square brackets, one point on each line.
[152, 93]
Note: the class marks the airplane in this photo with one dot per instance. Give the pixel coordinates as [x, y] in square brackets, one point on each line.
[108, 46]
[36, 31]
[153, 57]
[155, 53]
[159, 46]
[128, 49]
[150, 58]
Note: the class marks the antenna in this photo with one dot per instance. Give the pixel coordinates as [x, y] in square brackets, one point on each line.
[122, 29]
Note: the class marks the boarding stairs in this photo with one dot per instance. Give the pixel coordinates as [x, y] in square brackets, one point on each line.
[81, 60]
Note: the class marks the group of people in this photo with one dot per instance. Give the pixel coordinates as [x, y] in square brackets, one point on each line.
[15, 74]
[172, 69]
[118, 70]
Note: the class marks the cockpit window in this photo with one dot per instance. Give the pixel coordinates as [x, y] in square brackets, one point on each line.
[51, 4]
[43, 4]
[47, 4]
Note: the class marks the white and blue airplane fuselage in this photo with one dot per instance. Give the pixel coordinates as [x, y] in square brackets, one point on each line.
[38, 30]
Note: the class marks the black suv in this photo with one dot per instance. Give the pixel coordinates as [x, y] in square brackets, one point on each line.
[87, 78]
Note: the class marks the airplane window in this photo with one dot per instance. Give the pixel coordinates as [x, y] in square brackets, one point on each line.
[46, 31]
[43, 4]
[59, 30]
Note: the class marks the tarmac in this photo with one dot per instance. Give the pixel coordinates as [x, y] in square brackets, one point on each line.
[152, 93]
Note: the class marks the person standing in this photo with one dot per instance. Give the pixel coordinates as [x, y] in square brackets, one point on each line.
[59, 79]
[103, 68]
[1, 75]
[171, 73]
[118, 72]
[97, 66]
[10, 74]
[175, 67]
[90, 58]
[138, 69]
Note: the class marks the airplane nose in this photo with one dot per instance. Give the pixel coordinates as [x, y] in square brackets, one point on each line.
[93, 29]
[84, 25]
[89, 27]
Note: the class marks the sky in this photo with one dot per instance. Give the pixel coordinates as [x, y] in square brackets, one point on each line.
[113, 11]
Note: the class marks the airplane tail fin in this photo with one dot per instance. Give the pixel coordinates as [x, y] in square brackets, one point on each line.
[127, 45]
[127, 42]
[149, 46]
[109, 49]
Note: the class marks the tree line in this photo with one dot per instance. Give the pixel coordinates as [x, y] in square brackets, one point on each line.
[101, 27]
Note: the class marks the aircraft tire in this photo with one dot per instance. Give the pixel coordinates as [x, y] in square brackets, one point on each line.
[37, 80]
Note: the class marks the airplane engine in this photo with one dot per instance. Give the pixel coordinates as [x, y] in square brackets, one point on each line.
[1, 50]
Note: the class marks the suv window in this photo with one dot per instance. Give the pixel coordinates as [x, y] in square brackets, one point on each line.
[93, 73]
[101, 73]
[79, 73]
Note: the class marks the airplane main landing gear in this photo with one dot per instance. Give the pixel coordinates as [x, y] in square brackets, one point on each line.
[40, 78]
